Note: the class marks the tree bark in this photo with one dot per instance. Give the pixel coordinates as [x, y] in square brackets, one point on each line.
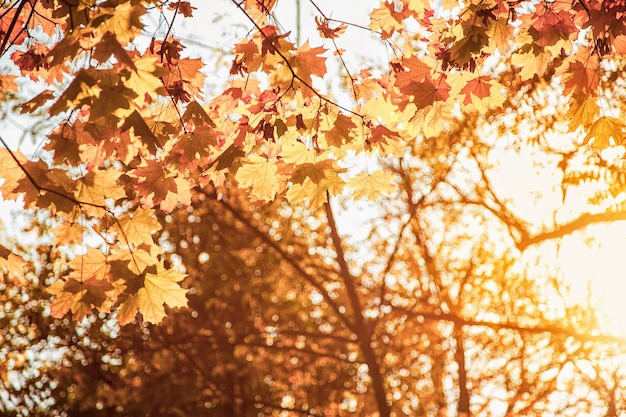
[362, 331]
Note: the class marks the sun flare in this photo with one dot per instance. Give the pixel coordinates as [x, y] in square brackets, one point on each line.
[592, 264]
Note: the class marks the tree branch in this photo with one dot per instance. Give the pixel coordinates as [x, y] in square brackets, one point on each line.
[361, 329]
[578, 223]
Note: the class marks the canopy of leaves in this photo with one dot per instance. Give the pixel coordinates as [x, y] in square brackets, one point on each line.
[151, 193]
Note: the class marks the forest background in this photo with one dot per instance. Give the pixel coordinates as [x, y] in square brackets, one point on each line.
[415, 210]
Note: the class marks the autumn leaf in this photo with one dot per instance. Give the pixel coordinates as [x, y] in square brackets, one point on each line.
[160, 288]
[98, 186]
[183, 7]
[427, 92]
[82, 91]
[137, 228]
[260, 174]
[481, 92]
[307, 62]
[79, 297]
[68, 233]
[136, 258]
[297, 153]
[582, 112]
[158, 187]
[603, 130]
[11, 263]
[93, 264]
[338, 132]
[386, 19]
[124, 21]
[145, 78]
[372, 186]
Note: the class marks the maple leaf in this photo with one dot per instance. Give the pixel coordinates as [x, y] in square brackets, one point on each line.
[68, 233]
[124, 20]
[137, 228]
[79, 296]
[500, 33]
[372, 186]
[7, 83]
[416, 7]
[386, 19]
[145, 78]
[263, 6]
[193, 149]
[140, 129]
[185, 75]
[64, 142]
[99, 185]
[184, 7]
[93, 264]
[157, 187]
[326, 31]
[136, 259]
[64, 301]
[413, 69]
[13, 264]
[481, 92]
[261, 175]
[338, 131]
[381, 136]
[114, 98]
[196, 113]
[10, 173]
[307, 61]
[427, 92]
[297, 153]
[603, 130]
[582, 112]
[581, 78]
[313, 181]
[308, 186]
[550, 27]
[469, 45]
[159, 289]
[127, 311]
[81, 91]
[109, 46]
[271, 40]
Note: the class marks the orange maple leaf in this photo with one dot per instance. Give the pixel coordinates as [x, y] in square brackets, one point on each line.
[386, 19]
[157, 187]
[307, 61]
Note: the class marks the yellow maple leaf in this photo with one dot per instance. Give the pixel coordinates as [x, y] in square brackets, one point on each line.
[98, 185]
[145, 78]
[138, 258]
[13, 264]
[386, 19]
[298, 153]
[68, 233]
[160, 289]
[92, 264]
[261, 175]
[124, 21]
[309, 184]
[137, 228]
[128, 310]
[372, 186]
[500, 33]
[603, 130]
[582, 112]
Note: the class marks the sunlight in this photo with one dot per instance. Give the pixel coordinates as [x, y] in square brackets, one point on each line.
[592, 264]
